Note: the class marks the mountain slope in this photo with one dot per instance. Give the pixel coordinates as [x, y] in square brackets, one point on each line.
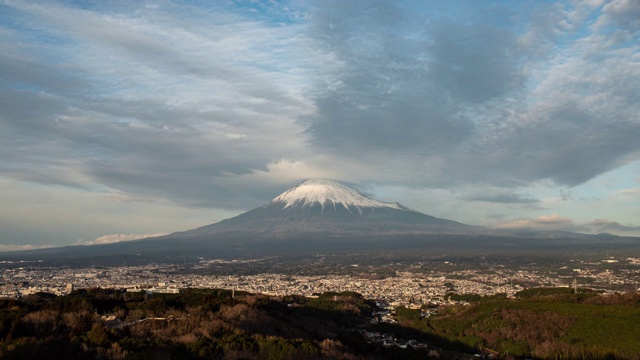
[325, 206]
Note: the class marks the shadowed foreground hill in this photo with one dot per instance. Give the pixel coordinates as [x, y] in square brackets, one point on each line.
[195, 324]
[214, 324]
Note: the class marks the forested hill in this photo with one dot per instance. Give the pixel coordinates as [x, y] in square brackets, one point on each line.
[541, 323]
[194, 324]
[220, 324]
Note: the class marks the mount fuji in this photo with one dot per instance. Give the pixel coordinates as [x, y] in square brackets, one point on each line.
[321, 206]
[324, 216]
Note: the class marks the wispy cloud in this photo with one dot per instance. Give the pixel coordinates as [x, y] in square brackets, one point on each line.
[178, 94]
[504, 198]
[114, 238]
[152, 103]
[22, 247]
[542, 222]
[631, 191]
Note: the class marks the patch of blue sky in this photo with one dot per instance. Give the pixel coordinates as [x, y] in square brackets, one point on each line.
[33, 39]
[578, 31]
[610, 183]
[91, 5]
[268, 12]
[20, 86]
[30, 30]
[111, 6]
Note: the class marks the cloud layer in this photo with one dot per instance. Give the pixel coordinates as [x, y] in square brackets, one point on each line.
[157, 104]
[498, 98]
[495, 106]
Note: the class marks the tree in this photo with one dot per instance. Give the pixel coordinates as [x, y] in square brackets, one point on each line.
[98, 335]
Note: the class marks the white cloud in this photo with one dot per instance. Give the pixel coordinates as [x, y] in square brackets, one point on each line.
[542, 222]
[23, 247]
[160, 103]
[114, 238]
[631, 191]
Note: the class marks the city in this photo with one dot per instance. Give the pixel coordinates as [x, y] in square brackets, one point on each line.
[411, 286]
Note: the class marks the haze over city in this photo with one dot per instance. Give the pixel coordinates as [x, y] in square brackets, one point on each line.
[122, 120]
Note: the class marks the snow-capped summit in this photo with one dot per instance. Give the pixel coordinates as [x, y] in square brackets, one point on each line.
[329, 193]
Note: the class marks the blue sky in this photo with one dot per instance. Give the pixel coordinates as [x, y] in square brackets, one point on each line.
[123, 119]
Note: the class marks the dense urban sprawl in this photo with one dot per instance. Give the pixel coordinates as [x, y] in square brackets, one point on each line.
[411, 289]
